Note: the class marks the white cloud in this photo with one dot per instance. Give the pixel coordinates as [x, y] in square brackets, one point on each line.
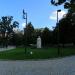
[53, 16]
[23, 25]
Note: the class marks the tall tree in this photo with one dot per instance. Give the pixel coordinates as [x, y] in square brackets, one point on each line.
[17, 39]
[6, 27]
[67, 25]
[66, 29]
[28, 36]
[46, 36]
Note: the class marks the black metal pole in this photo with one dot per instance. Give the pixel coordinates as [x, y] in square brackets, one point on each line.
[26, 36]
[58, 33]
[25, 17]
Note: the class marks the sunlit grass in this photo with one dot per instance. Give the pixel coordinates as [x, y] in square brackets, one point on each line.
[43, 53]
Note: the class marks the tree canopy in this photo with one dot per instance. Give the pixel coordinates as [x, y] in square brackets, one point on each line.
[6, 27]
[68, 4]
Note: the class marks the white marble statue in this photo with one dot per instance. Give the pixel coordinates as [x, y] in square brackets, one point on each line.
[39, 42]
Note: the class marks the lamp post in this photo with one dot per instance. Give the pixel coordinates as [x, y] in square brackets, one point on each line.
[58, 31]
[25, 17]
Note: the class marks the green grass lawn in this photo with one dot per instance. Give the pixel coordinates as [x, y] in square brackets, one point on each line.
[44, 53]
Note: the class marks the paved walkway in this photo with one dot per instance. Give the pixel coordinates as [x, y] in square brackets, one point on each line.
[61, 66]
[8, 48]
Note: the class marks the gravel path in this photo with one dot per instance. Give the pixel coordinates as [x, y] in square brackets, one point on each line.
[61, 66]
[8, 48]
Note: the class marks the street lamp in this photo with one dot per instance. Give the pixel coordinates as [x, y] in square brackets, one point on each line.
[25, 17]
[58, 31]
[57, 15]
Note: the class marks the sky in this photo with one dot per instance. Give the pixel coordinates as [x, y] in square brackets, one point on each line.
[41, 13]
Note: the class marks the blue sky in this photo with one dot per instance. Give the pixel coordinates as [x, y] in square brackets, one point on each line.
[40, 12]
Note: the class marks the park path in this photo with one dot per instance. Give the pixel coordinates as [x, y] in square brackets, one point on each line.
[59, 66]
[8, 48]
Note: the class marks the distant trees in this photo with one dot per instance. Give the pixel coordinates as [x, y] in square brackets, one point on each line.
[17, 39]
[9, 36]
[46, 37]
[31, 34]
[49, 37]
